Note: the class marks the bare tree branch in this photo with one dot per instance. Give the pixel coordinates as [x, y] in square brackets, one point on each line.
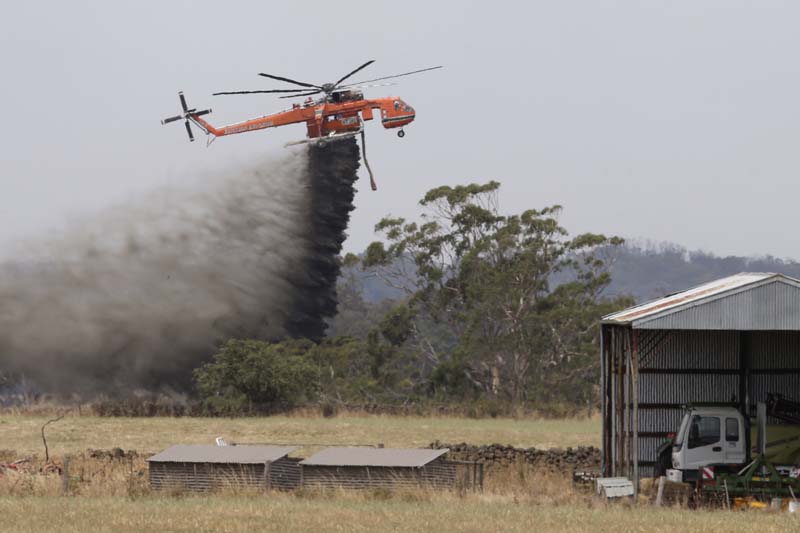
[44, 440]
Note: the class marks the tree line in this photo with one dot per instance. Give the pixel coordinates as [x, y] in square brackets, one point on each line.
[479, 317]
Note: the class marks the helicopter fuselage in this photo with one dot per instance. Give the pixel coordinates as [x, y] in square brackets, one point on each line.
[334, 114]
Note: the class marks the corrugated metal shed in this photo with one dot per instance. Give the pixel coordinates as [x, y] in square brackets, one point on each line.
[747, 301]
[205, 453]
[209, 467]
[387, 468]
[376, 457]
[438, 474]
[730, 341]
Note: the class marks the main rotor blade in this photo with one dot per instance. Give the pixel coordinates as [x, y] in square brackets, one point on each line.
[390, 77]
[303, 94]
[368, 63]
[258, 92]
[279, 78]
[349, 87]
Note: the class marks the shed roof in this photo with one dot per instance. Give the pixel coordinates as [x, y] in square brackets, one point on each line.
[209, 453]
[386, 457]
[746, 301]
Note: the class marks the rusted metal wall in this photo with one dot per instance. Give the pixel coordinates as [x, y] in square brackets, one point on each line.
[283, 474]
[437, 474]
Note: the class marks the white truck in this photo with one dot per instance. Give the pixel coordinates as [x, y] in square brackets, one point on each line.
[722, 438]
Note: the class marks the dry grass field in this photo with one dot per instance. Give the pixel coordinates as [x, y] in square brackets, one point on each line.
[77, 433]
[108, 494]
[358, 512]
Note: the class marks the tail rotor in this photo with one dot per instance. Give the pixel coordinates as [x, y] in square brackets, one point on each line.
[187, 115]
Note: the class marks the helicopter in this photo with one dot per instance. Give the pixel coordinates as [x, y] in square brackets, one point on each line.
[338, 113]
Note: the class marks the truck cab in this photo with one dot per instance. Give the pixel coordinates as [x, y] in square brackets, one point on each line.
[709, 436]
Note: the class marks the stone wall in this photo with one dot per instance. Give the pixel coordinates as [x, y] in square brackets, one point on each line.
[554, 459]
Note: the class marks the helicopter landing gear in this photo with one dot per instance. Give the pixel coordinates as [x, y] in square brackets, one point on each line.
[401, 134]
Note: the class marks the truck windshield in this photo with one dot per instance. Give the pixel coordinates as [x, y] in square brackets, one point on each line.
[703, 431]
[682, 433]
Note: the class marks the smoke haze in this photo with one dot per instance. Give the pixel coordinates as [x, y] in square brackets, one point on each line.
[138, 296]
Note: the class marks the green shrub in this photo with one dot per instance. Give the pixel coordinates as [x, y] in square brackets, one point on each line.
[253, 375]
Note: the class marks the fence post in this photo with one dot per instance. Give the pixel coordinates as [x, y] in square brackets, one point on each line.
[65, 476]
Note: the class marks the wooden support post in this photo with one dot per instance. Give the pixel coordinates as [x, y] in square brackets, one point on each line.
[603, 402]
[619, 399]
[474, 476]
[65, 476]
[635, 394]
[626, 402]
[660, 495]
[612, 353]
[611, 407]
[744, 389]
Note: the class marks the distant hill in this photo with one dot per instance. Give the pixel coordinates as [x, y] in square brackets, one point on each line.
[645, 271]
[649, 272]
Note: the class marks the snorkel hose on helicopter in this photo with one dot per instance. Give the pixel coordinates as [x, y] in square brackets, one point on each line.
[364, 156]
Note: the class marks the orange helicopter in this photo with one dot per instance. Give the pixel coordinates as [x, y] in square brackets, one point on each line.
[340, 113]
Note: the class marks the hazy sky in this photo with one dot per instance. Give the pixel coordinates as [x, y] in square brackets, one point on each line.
[672, 120]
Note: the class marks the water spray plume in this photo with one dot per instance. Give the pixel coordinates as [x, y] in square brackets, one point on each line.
[137, 297]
